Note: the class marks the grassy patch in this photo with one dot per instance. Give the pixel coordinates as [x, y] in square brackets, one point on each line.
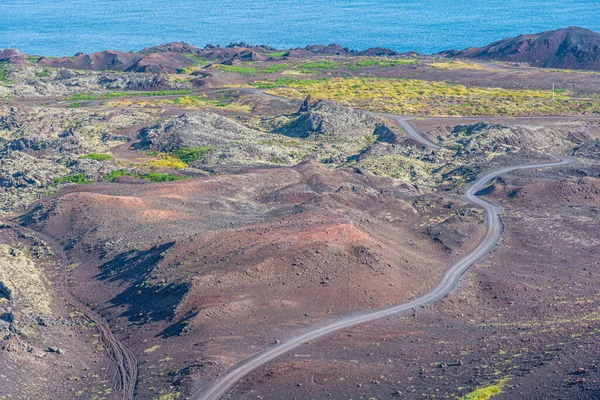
[43, 74]
[167, 161]
[281, 82]
[417, 97]
[322, 64]
[274, 68]
[97, 157]
[251, 70]
[3, 74]
[113, 95]
[156, 177]
[277, 54]
[74, 105]
[191, 154]
[148, 176]
[77, 179]
[237, 69]
[485, 393]
[115, 174]
[453, 65]
[199, 63]
[195, 58]
[378, 62]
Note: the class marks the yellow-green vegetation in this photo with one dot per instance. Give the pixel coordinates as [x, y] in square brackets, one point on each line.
[199, 63]
[115, 174]
[277, 54]
[166, 161]
[485, 393]
[148, 176]
[188, 101]
[250, 69]
[321, 64]
[112, 95]
[24, 280]
[378, 62]
[452, 65]
[97, 157]
[157, 177]
[417, 97]
[151, 349]
[169, 396]
[202, 101]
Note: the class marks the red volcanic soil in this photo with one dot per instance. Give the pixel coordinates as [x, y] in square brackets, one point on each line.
[196, 275]
[526, 316]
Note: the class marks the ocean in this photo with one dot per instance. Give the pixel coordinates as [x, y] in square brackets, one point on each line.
[65, 27]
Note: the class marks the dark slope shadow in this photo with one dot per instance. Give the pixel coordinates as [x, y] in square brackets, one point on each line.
[178, 328]
[143, 302]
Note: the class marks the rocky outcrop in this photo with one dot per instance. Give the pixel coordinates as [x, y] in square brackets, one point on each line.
[330, 50]
[588, 150]
[376, 52]
[173, 47]
[486, 137]
[192, 130]
[329, 120]
[570, 48]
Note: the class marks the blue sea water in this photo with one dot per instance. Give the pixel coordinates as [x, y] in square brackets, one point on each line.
[64, 27]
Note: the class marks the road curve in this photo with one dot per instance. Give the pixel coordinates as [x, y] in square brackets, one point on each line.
[450, 281]
[410, 130]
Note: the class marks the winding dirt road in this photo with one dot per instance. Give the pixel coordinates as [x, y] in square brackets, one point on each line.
[450, 280]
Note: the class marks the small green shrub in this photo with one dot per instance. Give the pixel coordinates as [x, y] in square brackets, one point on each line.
[191, 154]
[157, 177]
[277, 54]
[43, 74]
[77, 179]
[238, 69]
[3, 74]
[74, 105]
[115, 174]
[274, 68]
[323, 64]
[97, 157]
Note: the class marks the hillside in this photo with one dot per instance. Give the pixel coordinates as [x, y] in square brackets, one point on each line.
[570, 48]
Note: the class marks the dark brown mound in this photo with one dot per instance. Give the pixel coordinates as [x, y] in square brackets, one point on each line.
[173, 47]
[11, 56]
[570, 48]
[118, 61]
[376, 52]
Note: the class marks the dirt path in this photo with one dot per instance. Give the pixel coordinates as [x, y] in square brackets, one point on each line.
[125, 153]
[125, 360]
